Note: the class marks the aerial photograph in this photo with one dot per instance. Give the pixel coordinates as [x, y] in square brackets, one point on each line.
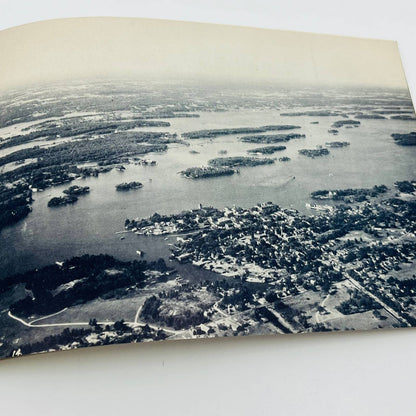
[168, 180]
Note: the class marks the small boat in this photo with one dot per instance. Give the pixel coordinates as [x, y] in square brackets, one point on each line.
[327, 208]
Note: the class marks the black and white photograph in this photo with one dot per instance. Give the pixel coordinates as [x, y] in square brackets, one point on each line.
[165, 180]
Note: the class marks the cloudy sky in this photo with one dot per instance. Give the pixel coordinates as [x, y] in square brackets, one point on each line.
[141, 49]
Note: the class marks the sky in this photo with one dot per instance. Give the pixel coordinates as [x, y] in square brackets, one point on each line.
[134, 48]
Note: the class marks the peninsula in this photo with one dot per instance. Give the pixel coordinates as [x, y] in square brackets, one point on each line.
[294, 272]
[350, 195]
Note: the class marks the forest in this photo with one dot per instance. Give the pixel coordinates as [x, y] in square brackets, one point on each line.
[91, 276]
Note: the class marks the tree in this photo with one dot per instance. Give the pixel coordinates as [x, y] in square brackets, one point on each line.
[271, 296]
[120, 326]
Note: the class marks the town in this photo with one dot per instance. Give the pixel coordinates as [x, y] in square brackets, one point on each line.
[304, 273]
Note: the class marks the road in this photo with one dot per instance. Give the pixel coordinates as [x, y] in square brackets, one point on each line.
[66, 324]
[32, 325]
[387, 308]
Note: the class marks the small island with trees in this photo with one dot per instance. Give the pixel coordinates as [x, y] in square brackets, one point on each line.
[405, 117]
[341, 123]
[239, 161]
[313, 113]
[268, 150]
[406, 139]
[337, 144]
[127, 186]
[76, 190]
[370, 117]
[271, 138]
[314, 152]
[70, 197]
[213, 133]
[207, 172]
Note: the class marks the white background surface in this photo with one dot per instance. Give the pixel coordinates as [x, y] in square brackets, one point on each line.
[369, 373]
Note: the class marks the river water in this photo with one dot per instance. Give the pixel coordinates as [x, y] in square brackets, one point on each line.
[91, 225]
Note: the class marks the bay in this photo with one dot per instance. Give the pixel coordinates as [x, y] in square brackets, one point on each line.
[91, 225]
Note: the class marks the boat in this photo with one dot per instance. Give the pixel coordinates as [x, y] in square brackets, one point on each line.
[327, 208]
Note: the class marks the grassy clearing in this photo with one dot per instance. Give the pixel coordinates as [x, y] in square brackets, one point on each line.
[108, 309]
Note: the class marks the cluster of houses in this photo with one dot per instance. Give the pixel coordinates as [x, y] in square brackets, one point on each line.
[292, 252]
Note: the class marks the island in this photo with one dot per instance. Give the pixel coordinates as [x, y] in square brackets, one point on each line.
[239, 161]
[407, 139]
[341, 123]
[333, 131]
[76, 190]
[268, 150]
[127, 186]
[213, 133]
[313, 113]
[71, 196]
[314, 152]
[393, 110]
[405, 117]
[62, 200]
[207, 172]
[271, 138]
[337, 144]
[284, 159]
[370, 117]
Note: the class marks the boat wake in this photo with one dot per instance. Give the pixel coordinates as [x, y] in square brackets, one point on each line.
[277, 182]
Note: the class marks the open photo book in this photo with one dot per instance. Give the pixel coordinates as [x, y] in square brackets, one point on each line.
[165, 180]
